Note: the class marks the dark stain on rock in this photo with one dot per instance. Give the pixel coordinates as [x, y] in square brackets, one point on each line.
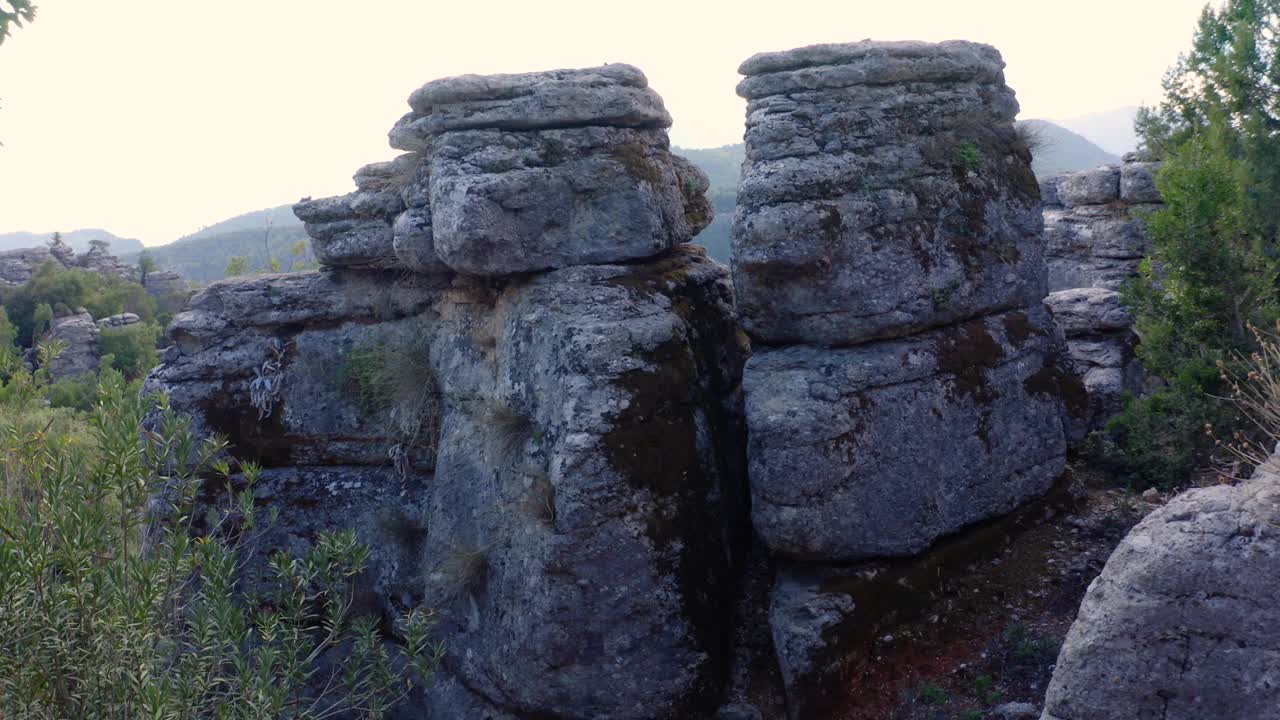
[1053, 381]
[888, 594]
[966, 352]
[1018, 328]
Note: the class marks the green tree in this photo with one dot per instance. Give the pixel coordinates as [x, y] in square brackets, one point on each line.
[146, 265]
[41, 320]
[239, 265]
[21, 11]
[1214, 270]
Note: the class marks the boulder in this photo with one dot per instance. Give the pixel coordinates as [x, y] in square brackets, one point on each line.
[885, 192]
[1183, 622]
[79, 334]
[881, 449]
[162, 284]
[119, 321]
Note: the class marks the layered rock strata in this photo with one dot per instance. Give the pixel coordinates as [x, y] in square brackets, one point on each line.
[78, 335]
[1182, 623]
[1100, 352]
[518, 385]
[890, 270]
[1093, 224]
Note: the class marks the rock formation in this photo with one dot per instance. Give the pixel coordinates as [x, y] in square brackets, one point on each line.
[519, 386]
[1100, 345]
[1097, 237]
[1183, 622]
[1093, 224]
[890, 270]
[79, 335]
[162, 284]
[17, 266]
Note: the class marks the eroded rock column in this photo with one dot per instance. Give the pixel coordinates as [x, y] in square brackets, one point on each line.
[890, 270]
[558, 468]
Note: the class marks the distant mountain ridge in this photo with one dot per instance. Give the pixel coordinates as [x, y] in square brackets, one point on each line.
[1057, 149]
[77, 239]
[203, 256]
[1111, 130]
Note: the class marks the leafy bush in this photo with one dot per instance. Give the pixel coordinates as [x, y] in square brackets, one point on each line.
[77, 393]
[132, 348]
[69, 288]
[115, 608]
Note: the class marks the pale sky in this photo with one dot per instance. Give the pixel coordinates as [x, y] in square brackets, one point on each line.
[153, 118]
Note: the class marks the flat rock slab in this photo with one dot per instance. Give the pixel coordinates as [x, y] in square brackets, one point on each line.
[612, 95]
[871, 210]
[880, 450]
[1183, 622]
[1088, 311]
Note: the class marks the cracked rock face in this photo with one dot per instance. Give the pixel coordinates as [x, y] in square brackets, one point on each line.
[880, 449]
[80, 334]
[566, 496]
[885, 192]
[1183, 622]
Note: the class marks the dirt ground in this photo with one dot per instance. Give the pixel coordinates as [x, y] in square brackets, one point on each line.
[994, 635]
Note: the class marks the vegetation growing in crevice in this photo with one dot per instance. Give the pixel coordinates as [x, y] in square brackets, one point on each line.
[392, 380]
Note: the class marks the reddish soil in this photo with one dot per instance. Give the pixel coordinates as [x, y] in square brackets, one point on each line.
[994, 634]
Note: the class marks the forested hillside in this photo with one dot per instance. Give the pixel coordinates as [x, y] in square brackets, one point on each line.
[260, 237]
[77, 239]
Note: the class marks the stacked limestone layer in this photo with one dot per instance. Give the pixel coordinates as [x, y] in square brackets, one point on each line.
[890, 270]
[559, 474]
[1097, 237]
[1100, 351]
[1093, 225]
[509, 174]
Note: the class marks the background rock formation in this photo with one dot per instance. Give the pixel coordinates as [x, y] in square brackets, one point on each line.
[1097, 238]
[890, 268]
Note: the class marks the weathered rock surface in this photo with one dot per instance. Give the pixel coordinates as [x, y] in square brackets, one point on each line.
[1183, 623]
[80, 335]
[164, 284]
[17, 266]
[881, 449]
[1093, 224]
[119, 321]
[1100, 345]
[505, 202]
[565, 503]
[513, 174]
[885, 192]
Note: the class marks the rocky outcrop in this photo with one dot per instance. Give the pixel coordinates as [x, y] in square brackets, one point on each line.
[119, 321]
[517, 385]
[511, 174]
[1182, 623]
[17, 266]
[163, 284]
[79, 335]
[1100, 345]
[1093, 225]
[1097, 238]
[98, 259]
[890, 268]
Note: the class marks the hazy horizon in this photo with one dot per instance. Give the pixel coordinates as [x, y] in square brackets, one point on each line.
[153, 119]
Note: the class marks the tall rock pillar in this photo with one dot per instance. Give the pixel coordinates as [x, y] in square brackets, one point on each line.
[889, 264]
